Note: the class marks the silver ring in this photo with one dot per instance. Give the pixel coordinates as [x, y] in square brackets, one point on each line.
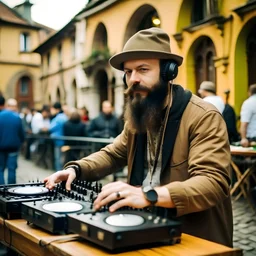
[118, 194]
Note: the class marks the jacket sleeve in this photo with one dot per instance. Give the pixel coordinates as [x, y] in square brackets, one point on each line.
[106, 161]
[209, 159]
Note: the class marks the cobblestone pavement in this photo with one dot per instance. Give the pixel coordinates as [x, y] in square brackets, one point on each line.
[244, 215]
[244, 227]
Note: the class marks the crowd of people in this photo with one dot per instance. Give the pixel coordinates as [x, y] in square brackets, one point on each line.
[50, 121]
[175, 144]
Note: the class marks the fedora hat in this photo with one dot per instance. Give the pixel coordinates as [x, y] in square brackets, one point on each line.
[152, 43]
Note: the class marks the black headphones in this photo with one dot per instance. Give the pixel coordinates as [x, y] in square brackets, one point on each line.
[168, 71]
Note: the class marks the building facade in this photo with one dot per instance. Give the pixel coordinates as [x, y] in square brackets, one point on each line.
[216, 38]
[20, 68]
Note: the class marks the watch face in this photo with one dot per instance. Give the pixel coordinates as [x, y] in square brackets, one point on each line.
[150, 194]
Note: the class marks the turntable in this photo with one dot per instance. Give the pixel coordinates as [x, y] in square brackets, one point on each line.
[125, 229]
[51, 213]
[12, 195]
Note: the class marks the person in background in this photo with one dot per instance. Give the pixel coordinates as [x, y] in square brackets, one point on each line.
[229, 116]
[248, 118]
[74, 127]
[56, 129]
[106, 125]
[41, 120]
[26, 117]
[207, 91]
[12, 105]
[84, 113]
[174, 143]
[40, 124]
[11, 138]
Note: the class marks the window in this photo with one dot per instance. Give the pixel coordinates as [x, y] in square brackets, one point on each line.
[204, 62]
[73, 48]
[24, 86]
[48, 59]
[60, 54]
[24, 42]
[203, 9]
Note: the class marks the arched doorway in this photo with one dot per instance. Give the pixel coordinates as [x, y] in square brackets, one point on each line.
[245, 61]
[204, 61]
[144, 17]
[24, 92]
[251, 55]
[101, 83]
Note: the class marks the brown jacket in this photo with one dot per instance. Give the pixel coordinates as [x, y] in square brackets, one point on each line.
[197, 177]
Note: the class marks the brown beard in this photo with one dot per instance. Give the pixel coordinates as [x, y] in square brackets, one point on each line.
[144, 114]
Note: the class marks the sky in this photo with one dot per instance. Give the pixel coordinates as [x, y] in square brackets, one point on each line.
[52, 13]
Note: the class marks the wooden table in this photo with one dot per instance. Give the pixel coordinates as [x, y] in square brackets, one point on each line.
[243, 178]
[30, 240]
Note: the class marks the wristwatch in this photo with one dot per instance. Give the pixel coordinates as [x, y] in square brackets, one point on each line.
[76, 168]
[150, 194]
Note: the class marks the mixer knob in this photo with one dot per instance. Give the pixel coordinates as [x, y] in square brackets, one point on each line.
[84, 191]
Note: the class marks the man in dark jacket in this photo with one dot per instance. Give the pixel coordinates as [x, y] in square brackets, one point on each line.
[106, 125]
[11, 138]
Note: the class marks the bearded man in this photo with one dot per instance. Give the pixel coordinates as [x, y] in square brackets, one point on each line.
[174, 143]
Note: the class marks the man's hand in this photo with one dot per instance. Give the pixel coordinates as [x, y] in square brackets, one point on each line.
[68, 175]
[123, 194]
[244, 142]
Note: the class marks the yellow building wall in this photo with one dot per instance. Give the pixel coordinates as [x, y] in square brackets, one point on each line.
[230, 61]
[14, 64]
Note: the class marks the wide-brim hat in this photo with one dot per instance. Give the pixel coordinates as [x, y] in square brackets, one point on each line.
[152, 43]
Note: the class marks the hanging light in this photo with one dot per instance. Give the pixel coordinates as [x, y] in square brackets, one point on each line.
[155, 20]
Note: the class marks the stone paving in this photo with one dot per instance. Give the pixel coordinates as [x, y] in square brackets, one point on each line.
[244, 227]
[244, 215]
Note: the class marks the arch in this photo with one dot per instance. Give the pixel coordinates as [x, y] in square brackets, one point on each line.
[24, 92]
[241, 57]
[200, 62]
[195, 12]
[101, 85]
[73, 94]
[100, 39]
[184, 17]
[58, 95]
[14, 83]
[141, 19]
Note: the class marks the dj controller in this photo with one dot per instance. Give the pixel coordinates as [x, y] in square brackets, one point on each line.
[12, 195]
[51, 212]
[62, 211]
[124, 229]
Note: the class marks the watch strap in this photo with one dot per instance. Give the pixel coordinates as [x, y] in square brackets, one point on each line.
[76, 168]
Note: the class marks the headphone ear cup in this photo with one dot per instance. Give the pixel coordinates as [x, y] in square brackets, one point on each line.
[124, 80]
[169, 70]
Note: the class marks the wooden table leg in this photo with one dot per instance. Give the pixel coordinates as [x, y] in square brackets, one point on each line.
[238, 176]
[243, 177]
